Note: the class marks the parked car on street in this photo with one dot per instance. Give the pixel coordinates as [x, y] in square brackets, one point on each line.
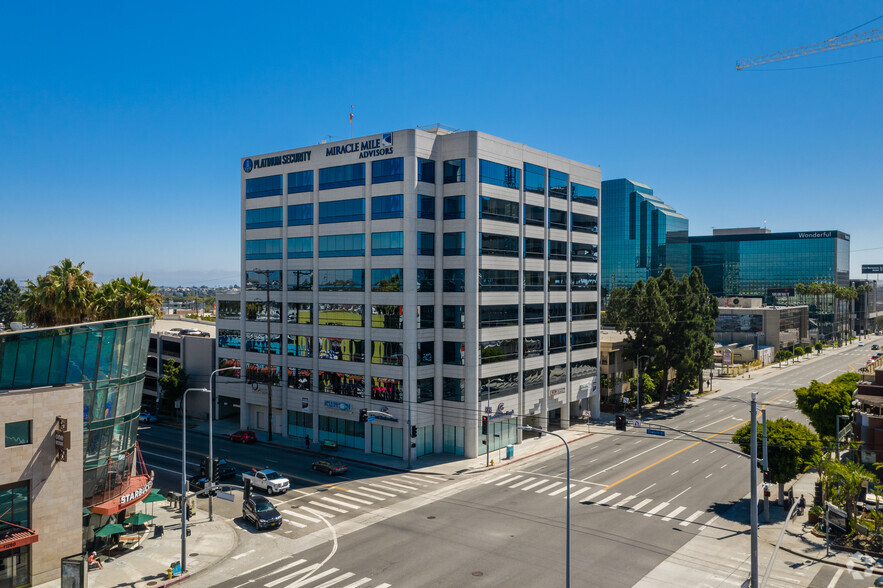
[875, 347]
[146, 417]
[260, 512]
[330, 466]
[244, 436]
[198, 483]
[222, 468]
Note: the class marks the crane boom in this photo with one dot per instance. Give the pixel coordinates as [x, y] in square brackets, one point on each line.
[833, 43]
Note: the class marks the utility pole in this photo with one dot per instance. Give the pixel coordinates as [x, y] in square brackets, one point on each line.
[754, 569]
[766, 468]
[639, 381]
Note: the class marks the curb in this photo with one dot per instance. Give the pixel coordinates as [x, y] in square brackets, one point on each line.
[523, 457]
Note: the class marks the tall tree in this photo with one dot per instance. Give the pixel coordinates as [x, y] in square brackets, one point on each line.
[10, 301]
[695, 310]
[849, 477]
[821, 403]
[62, 296]
[173, 382]
[121, 299]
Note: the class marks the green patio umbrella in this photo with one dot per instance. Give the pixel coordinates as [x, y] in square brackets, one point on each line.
[153, 498]
[110, 529]
[139, 518]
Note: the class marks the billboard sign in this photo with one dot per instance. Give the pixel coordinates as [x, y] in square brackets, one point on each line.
[872, 268]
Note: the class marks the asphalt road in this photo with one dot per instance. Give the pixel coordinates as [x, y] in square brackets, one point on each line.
[635, 500]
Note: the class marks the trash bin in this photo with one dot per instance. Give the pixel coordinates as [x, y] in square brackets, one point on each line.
[510, 451]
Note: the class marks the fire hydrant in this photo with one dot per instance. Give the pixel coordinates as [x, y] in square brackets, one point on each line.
[170, 573]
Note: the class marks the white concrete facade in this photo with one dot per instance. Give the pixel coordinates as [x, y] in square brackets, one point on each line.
[448, 419]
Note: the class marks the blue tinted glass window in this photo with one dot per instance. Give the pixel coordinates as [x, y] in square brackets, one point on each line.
[490, 280]
[342, 280]
[341, 211]
[557, 219]
[534, 247]
[342, 245]
[503, 245]
[266, 186]
[263, 249]
[342, 176]
[300, 247]
[387, 207]
[583, 252]
[386, 280]
[455, 244]
[534, 281]
[387, 170]
[583, 281]
[583, 339]
[300, 214]
[534, 215]
[557, 281]
[455, 207]
[425, 243]
[426, 206]
[425, 279]
[301, 181]
[261, 218]
[557, 184]
[387, 243]
[455, 171]
[558, 343]
[454, 280]
[558, 250]
[490, 172]
[425, 170]
[584, 223]
[497, 209]
[580, 193]
[300, 279]
[534, 178]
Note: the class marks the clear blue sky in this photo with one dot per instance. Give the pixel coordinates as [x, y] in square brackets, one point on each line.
[122, 126]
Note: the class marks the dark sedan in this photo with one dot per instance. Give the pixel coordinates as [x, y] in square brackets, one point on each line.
[260, 512]
[330, 466]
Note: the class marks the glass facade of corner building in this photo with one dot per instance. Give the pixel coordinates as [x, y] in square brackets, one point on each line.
[642, 236]
[769, 265]
[109, 360]
[399, 265]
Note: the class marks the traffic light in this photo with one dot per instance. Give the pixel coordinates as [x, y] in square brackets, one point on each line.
[363, 415]
[766, 477]
[484, 425]
[413, 431]
[620, 422]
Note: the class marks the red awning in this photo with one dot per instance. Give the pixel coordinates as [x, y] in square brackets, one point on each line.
[18, 539]
[135, 490]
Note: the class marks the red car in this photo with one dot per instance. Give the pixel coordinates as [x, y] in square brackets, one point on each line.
[244, 437]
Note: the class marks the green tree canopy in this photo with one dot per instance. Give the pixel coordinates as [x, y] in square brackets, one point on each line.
[174, 381]
[10, 301]
[821, 403]
[790, 448]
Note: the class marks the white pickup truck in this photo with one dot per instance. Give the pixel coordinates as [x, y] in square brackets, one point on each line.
[268, 480]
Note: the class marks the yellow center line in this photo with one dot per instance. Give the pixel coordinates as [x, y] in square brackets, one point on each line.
[645, 468]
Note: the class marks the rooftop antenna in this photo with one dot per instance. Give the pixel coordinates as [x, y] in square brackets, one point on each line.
[764, 224]
[351, 121]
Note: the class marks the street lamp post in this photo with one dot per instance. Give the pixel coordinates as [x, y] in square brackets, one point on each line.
[640, 357]
[408, 401]
[754, 568]
[211, 453]
[567, 541]
[184, 507]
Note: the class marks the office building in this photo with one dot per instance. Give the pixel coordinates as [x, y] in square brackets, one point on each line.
[755, 262]
[641, 236]
[432, 277]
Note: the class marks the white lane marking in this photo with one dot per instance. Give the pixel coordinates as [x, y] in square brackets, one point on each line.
[560, 490]
[606, 500]
[302, 516]
[705, 526]
[381, 492]
[357, 583]
[708, 476]
[674, 472]
[534, 485]
[674, 513]
[624, 501]
[712, 451]
[679, 493]
[836, 577]
[525, 481]
[330, 583]
[287, 567]
[242, 554]
[415, 479]
[656, 509]
[372, 496]
[313, 577]
[494, 479]
[399, 485]
[354, 499]
[692, 518]
[295, 523]
[578, 492]
[549, 487]
[617, 449]
[695, 460]
[645, 489]
[341, 503]
[617, 464]
[723, 466]
[321, 508]
[508, 481]
[641, 504]
[591, 496]
[638, 441]
[594, 460]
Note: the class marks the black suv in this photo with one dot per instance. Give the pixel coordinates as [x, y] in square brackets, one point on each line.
[222, 468]
[260, 512]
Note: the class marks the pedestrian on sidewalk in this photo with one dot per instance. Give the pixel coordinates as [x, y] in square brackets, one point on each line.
[801, 504]
[307, 439]
[94, 561]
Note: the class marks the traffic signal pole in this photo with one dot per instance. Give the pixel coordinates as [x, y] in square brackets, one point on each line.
[754, 567]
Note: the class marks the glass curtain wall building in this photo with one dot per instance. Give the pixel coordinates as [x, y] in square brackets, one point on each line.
[642, 236]
[432, 276]
[759, 263]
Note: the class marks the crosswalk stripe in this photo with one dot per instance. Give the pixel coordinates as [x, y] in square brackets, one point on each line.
[384, 585]
[277, 570]
[560, 490]
[388, 489]
[655, 509]
[399, 485]
[594, 494]
[673, 513]
[381, 492]
[535, 484]
[375, 497]
[340, 502]
[353, 498]
[692, 518]
[624, 501]
[357, 583]
[287, 577]
[495, 479]
[710, 521]
[549, 487]
[608, 499]
[295, 523]
[641, 504]
[330, 583]
[425, 480]
[506, 481]
[302, 516]
[522, 482]
[578, 492]
[321, 507]
[313, 578]
[274, 562]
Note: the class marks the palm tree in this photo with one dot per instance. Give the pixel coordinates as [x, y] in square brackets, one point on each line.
[821, 462]
[140, 298]
[848, 477]
[62, 296]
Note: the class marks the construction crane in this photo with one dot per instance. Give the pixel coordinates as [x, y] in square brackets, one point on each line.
[833, 43]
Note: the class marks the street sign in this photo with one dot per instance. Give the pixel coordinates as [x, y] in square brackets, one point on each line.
[370, 418]
[636, 423]
[658, 432]
[225, 496]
